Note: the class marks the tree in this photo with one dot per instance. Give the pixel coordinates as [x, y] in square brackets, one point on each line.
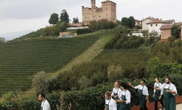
[54, 18]
[64, 16]
[176, 30]
[125, 22]
[39, 82]
[132, 21]
[75, 20]
[128, 22]
[2, 40]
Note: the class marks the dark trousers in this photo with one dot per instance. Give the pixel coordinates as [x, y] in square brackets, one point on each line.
[143, 103]
[156, 104]
[144, 107]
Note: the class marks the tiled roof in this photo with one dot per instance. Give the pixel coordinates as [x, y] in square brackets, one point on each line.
[158, 21]
[166, 26]
[151, 18]
[178, 23]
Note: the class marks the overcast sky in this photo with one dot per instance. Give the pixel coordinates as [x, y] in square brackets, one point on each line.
[23, 15]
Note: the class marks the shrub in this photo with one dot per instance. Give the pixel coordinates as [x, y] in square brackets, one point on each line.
[114, 71]
[176, 31]
[169, 52]
[84, 82]
[128, 22]
[39, 82]
[123, 40]
[87, 99]
[29, 104]
[102, 24]
[155, 67]
[83, 31]
[8, 105]
[177, 78]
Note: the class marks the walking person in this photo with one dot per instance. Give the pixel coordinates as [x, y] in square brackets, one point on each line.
[124, 98]
[157, 93]
[169, 93]
[143, 94]
[116, 91]
[44, 102]
[110, 104]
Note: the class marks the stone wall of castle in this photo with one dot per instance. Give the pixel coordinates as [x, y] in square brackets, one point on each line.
[107, 11]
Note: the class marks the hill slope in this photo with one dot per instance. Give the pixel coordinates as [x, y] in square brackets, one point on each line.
[20, 60]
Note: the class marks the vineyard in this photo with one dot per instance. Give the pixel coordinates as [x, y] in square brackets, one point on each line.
[20, 60]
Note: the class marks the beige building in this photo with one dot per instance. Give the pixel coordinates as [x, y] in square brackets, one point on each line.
[146, 21]
[166, 31]
[106, 12]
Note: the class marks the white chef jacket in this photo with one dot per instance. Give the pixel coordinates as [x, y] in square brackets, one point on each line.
[169, 86]
[112, 104]
[143, 88]
[45, 105]
[116, 90]
[157, 85]
[127, 94]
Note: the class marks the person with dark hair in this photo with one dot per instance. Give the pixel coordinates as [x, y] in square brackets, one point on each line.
[157, 93]
[110, 104]
[44, 102]
[169, 93]
[143, 94]
[124, 98]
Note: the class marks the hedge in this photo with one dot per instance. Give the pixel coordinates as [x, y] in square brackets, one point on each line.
[30, 103]
[87, 99]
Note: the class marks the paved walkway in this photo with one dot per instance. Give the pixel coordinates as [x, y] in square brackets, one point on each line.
[179, 107]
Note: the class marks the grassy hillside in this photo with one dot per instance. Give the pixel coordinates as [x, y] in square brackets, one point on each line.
[20, 60]
[87, 66]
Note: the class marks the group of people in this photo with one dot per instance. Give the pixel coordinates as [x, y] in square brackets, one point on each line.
[120, 97]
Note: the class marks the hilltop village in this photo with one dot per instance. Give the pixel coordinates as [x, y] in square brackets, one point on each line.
[161, 28]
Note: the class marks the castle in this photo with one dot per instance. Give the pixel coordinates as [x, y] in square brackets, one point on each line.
[107, 12]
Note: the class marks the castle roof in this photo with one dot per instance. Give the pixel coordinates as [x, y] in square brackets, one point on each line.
[108, 1]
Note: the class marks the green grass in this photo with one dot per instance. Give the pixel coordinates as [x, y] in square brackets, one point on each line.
[123, 56]
[88, 55]
[20, 60]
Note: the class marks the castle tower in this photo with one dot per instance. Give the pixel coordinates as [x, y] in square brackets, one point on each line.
[93, 4]
[109, 10]
[106, 12]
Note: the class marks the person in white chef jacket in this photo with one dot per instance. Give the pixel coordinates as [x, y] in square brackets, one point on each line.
[44, 102]
[110, 104]
[157, 93]
[143, 94]
[116, 91]
[124, 98]
[169, 93]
